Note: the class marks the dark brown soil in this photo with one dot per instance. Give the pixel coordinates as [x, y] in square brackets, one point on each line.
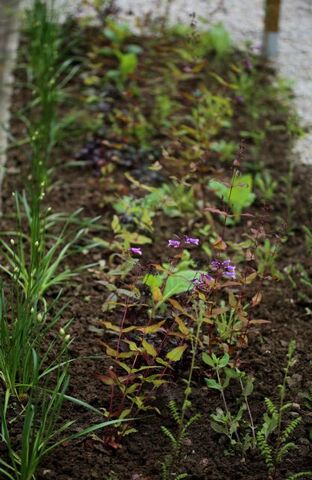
[206, 454]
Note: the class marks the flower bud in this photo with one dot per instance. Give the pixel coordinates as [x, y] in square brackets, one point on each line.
[62, 332]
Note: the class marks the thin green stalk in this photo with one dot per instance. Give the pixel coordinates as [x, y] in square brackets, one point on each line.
[188, 389]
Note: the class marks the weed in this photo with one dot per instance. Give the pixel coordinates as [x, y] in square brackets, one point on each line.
[266, 257]
[224, 421]
[266, 185]
[237, 196]
[180, 416]
[273, 437]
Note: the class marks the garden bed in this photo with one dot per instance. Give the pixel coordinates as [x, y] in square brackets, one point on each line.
[170, 118]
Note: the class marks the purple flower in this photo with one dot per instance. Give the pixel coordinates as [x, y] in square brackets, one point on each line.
[203, 281]
[248, 63]
[174, 243]
[225, 267]
[239, 99]
[135, 250]
[192, 241]
[229, 272]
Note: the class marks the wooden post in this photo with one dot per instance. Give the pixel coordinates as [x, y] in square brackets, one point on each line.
[271, 28]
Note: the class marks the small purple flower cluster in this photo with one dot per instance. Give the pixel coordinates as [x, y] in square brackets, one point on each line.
[171, 243]
[222, 268]
[187, 241]
[225, 268]
[174, 243]
[203, 281]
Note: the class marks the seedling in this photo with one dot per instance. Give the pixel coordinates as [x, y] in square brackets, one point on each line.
[266, 185]
[237, 196]
[224, 421]
[273, 437]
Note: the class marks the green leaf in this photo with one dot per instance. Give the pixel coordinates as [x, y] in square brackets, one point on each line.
[217, 427]
[152, 280]
[133, 48]
[248, 387]
[134, 237]
[211, 383]
[239, 196]
[150, 349]
[176, 354]
[128, 63]
[224, 361]
[179, 282]
[208, 360]
[115, 224]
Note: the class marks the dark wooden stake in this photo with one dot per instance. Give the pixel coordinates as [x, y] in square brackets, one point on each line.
[271, 28]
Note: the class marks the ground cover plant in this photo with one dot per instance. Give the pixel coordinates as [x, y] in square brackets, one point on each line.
[174, 310]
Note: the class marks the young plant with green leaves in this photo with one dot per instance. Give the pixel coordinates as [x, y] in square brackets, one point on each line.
[24, 328]
[223, 420]
[266, 257]
[238, 195]
[126, 54]
[35, 261]
[179, 415]
[274, 436]
[267, 185]
[40, 422]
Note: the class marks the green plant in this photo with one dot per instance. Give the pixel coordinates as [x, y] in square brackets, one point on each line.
[117, 32]
[33, 359]
[127, 65]
[199, 44]
[273, 437]
[127, 55]
[238, 195]
[47, 77]
[162, 110]
[180, 199]
[179, 417]
[174, 199]
[303, 475]
[308, 239]
[134, 126]
[266, 185]
[34, 258]
[219, 41]
[173, 281]
[176, 442]
[23, 337]
[224, 421]
[266, 257]
[210, 114]
[225, 149]
[229, 323]
[144, 354]
[41, 428]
